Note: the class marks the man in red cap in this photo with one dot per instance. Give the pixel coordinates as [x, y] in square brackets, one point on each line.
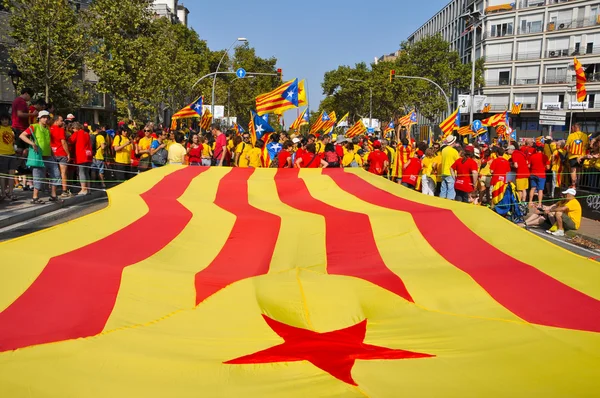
[378, 160]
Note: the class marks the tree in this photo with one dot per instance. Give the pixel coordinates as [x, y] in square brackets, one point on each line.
[49, 48]
[121, 30]
[430, 58]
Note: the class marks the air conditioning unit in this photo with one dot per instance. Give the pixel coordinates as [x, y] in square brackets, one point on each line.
[554, 54]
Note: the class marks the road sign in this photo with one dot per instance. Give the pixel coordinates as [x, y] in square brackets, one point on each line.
[557, 118]
[370, 130]
[476, 125]
[578, 105]
[551, 123]
[553, 113]
[241, 73]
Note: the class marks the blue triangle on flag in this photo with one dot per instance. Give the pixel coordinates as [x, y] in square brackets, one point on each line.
[291, 93]
[197, 105]
[261, 126]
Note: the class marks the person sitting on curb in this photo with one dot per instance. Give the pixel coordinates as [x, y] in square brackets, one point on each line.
[563, 216]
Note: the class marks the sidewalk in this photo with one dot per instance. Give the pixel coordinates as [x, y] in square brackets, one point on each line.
[589, 230]
[23, 210]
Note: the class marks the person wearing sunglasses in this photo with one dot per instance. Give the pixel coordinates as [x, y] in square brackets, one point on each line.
[143, 149]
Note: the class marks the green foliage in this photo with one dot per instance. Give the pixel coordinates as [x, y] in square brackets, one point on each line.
[430, 58]
[49, 45]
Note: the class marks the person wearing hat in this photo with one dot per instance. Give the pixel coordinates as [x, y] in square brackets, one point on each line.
[449, 157]
[563, 216]
[538, 164]
[38, 137]
[377, 160]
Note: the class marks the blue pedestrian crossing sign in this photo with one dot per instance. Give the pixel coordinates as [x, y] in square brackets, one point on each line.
[241, 73]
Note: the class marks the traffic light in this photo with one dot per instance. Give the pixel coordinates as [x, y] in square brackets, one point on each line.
[392, 74]
[280, 74]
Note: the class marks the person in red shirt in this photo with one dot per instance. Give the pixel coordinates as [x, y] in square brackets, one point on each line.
[83, 155]
[194, 151]
[378, 160]
[60, 149]
[538, 164]
[284, 157]
[339, 146]
[464, 170]
[310, 159]
[528, 149]
[521, 165]
[499, 168]
[220, 151]
[300, 146]
[410, 173]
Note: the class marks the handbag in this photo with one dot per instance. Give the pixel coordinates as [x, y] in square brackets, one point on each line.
[34, 158]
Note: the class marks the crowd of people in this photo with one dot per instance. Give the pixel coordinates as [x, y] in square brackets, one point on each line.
[71, 154]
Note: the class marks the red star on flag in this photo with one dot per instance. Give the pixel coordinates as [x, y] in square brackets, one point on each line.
[333, 352]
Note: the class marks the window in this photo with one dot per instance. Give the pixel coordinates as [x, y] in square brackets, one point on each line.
[531, 24]
[558, 47]
[498, 77]
[556, 74]
[501, 28]
[504, 78]
[529, 49]
[527, 75]
[499, 52]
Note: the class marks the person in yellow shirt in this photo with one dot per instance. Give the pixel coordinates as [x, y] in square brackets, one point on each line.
[577, 146]
[323, 140]
[176, 151]
[206, 152]
[449, 156]
[143, 149]
[427, 176]
[391, 154]
[242, 151]
[8, 161]
[351, 158]
[254, 155]
[98, 164]
[122, 146]
[437, 166]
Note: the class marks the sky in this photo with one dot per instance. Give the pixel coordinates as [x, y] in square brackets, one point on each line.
[311, 37]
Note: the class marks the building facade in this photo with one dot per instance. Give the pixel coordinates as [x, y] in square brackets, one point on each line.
[528, 47]
[171, 9]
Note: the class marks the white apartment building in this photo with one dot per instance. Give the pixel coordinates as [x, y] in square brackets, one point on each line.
[172, 9]
[529, 47]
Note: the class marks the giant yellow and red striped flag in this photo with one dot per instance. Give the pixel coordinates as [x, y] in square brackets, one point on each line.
[407, 309]
[357, 129]
[451, 123]
[206, 120]
[279, 100]
[581, 80]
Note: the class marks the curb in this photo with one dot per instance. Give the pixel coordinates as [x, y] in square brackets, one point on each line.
[593, 239]
[40, 210]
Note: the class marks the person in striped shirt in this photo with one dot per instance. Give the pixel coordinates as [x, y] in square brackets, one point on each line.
[577, 145]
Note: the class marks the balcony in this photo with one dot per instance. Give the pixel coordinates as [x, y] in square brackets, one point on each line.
[531, 3]
[500, 82]
[593, 77]
[562, 79]
[529, 107]
[530, 30]
[499, 107]
[558, 53]
[571, 24]
[499, 57]
[528, 55]
[526, 81]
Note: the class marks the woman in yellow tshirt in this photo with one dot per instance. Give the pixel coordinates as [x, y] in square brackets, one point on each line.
[351, 158]
[427, 176]
[254, 156]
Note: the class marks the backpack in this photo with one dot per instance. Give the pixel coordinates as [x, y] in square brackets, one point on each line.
[93, 143]
[332, 159]
[160, 157]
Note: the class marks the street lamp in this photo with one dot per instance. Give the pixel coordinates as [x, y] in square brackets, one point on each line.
[432, 82]
[15, 76]
[477, 19]
[229, 95]
[212, 104]
[370, 100]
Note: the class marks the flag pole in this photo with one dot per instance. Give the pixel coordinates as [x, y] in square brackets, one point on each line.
[571, 117]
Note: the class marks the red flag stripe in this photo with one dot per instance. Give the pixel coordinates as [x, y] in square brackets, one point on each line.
[251, 242]
[76, 292]
[522, 289]
[364, 260]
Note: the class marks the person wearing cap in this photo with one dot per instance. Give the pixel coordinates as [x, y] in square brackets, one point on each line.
[449, 157]
[538, 164]
[377, 160]
[465, 173]
[563, 216]
[38, 137]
